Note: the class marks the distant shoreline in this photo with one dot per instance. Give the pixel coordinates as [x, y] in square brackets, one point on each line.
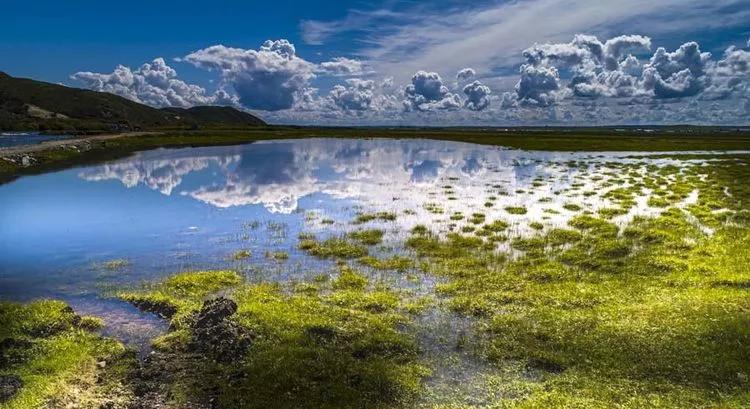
[61, 154]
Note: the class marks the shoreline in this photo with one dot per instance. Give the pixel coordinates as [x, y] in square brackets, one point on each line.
[49, 156]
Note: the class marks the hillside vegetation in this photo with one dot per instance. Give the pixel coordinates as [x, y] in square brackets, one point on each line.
[27, 104]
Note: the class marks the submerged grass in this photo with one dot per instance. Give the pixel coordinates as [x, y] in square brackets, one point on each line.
[655, 315]
[333, 247]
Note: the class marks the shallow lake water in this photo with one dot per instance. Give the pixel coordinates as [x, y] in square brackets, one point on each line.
[79, 233]
[10, 139]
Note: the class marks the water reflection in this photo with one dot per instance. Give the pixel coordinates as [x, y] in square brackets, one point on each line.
[173, 209]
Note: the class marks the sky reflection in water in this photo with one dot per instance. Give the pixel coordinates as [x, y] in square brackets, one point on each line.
[175, 209]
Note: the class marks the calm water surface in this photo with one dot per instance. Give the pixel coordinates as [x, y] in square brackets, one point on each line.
[170, 210]
[17, 139]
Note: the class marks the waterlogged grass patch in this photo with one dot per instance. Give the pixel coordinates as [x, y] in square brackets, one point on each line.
[181, 292]
[241, 255]
[331, 343]
[655, 314]
[398, 263]
[334, 247]
[368, 217]
[116, 264]
[368, 237]
[517, 210]
[277, 255]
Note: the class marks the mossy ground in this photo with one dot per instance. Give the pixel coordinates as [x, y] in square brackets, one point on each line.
[334, 343]
[59, 358]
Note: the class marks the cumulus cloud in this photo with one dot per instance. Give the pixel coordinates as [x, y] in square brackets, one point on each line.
[730, 75]
[676, 74]
[342, 66]
[270, 78]
[427, 92]
[538, 85]
[357, 95]
[612, 69]
[465, 74]
[477, 96]
[154, 84]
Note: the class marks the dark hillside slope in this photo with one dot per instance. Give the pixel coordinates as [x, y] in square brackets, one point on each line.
[27, 104]
[215, 116]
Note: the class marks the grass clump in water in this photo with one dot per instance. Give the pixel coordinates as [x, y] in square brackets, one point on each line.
[241, 255]
[334, 247]
[368, 217]
[180, 292]
[277, 255]
[116, 264]
[368, 237]
[517, 210]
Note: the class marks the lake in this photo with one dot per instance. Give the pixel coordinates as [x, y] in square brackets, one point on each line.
[80, 233]
[10, 139]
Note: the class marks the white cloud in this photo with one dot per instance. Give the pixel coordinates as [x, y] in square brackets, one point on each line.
[342, 66]
[357, 95]
[465, 74]
[491, 36]
[271, 78]
[154, 84]
[477, 96]
[427, 92]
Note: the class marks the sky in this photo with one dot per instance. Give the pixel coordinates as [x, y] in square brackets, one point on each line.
[442, 62]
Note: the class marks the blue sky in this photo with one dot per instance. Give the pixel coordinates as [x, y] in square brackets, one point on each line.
[395, 62]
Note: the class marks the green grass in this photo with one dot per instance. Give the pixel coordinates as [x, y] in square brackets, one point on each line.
[328, 344]
[398, 263]
[368, 217]
[181, 292]
[653, 316]
[334, 247]
[55, 351]
[368, 237]
[517, 210]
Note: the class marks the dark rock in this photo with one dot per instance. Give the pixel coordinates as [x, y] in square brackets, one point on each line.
[9, 386]
[216, 335]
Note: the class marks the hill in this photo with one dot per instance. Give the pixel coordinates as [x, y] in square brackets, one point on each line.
[216, 116]
[26, 104]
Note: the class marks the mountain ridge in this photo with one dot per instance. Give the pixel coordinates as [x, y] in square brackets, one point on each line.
[27, 104]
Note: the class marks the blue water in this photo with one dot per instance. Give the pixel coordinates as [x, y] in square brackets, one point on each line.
[17, 139]
[171, 210]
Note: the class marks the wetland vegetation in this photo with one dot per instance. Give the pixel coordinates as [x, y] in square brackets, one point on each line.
[600, 281]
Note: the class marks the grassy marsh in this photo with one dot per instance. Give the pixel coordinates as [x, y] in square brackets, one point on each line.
[637, 299]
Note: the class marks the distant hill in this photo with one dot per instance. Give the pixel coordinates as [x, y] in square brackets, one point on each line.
[27, 104]
[213, 116]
